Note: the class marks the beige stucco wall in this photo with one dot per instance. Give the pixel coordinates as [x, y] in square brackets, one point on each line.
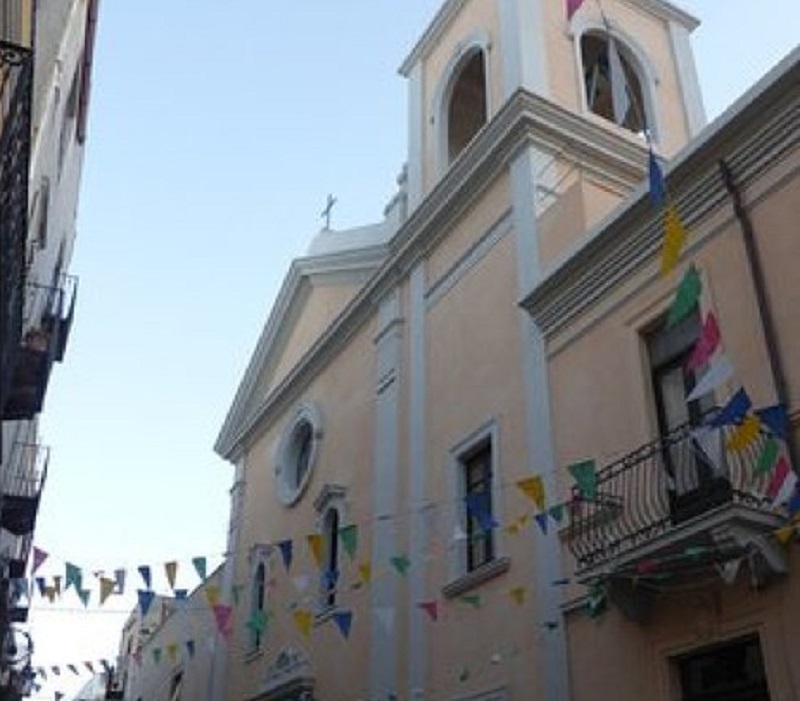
[639, 662]
[474, 361]
[344, 394]
[322, 303]
[603, 408]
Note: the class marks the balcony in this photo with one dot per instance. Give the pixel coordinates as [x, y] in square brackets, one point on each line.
[16, 69]
[50, 312]
[22, 484]
[673, 512]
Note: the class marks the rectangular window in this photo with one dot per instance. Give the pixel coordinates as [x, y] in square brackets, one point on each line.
[732, 671]
[694, 484]
[476, 467]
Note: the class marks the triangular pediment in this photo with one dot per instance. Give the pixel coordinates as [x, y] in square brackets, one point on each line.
[315, 291]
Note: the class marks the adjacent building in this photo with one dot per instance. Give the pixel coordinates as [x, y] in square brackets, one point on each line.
[405, 521]
[170, 652]
[46, 54]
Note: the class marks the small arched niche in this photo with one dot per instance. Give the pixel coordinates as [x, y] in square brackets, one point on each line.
[601, 81]
[467, 108]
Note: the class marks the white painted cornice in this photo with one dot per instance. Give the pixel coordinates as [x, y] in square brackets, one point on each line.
[432, 34]
[606, 152]
[755, 132]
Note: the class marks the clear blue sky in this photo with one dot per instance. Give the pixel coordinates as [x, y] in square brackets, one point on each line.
[217, 129]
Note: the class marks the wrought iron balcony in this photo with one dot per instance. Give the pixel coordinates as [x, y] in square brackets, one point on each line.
[58, 314]
[18, 600]
[22, 483]
[16, 69]
[672, 501]
[49, 314]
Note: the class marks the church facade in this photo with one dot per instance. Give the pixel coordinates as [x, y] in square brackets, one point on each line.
[434, 496]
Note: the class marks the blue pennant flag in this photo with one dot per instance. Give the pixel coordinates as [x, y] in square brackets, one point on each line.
[343, 619]
[775, 418]
[658, 190]
[734, 411]
[145, 599]
[479, 506]
[286, 549]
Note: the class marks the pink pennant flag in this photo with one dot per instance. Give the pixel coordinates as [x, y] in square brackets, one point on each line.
[572, 7]
[707, 343]
[222, 616]
[431, 608]
[778, 477]
[39, 556]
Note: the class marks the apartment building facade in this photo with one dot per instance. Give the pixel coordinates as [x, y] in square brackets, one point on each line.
[45, 62]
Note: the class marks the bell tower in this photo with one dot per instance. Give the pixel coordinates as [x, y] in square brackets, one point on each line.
[625, 65]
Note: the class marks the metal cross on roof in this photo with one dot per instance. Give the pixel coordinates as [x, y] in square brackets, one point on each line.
[326, 213]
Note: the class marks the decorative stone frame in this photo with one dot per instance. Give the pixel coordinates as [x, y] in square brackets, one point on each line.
[289, 488]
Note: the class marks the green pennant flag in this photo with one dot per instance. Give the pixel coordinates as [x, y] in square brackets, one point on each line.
[401, 563]
[768, 456]
[157, 655]
[686, 298]
[200, 567]
[257, 622]
[585, 476]
[473, 600]
[349, 536]
[557, 512]
[74, 576]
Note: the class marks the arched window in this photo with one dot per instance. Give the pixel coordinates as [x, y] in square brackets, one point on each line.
[257, 601]
[612, 83]
[330, 570]
[467, 106]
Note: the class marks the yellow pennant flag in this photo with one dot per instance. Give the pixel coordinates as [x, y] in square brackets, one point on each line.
[533, 488]
[365, 571]
[172, 652]
[745, 433]
[315, 543]
[212, 594]
[106, 588]
[784, 534]
[513, 528]
[518, 594]
[303, 620]
[171, 570]
[674, 238]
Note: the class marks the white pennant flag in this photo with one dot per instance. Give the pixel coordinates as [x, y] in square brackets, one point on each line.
[619, 84]
[721, 371]
[729, 570]
[709, 440]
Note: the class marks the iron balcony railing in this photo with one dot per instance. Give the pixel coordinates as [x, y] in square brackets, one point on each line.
[659, 486]
[22, 483]
[16, 81]
[48, 319]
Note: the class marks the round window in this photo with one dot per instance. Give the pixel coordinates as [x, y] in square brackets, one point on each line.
[296, 454]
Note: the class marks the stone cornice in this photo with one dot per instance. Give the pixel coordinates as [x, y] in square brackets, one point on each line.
[438, 24]
[525, 120]
[760, 129]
